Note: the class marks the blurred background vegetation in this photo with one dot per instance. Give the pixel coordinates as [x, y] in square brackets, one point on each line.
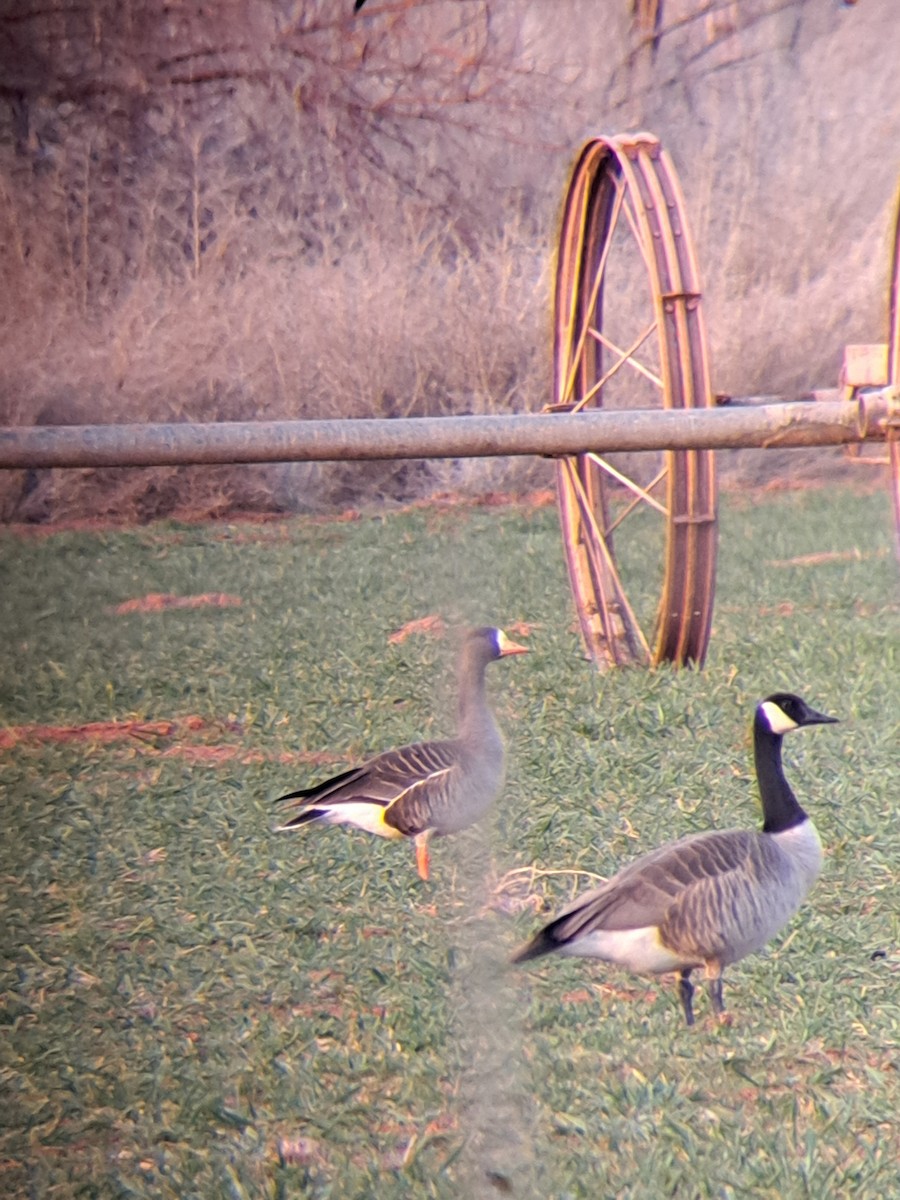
[283, 209]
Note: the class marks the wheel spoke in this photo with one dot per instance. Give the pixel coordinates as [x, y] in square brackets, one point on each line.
[634, 503]
[592, 300]
[607, 567]
[637, 233]
[610, 627]
[642, 494]
[625, 356]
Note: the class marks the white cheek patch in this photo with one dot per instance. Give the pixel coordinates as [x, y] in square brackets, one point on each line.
[777, 718]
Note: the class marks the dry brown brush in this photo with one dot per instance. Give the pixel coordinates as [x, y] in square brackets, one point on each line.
[266, 218]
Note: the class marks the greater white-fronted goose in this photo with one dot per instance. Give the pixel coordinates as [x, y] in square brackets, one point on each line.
[427, 788]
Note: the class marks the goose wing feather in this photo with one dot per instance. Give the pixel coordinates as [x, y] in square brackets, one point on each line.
[385, 780]
[320, 790]
[659, 886]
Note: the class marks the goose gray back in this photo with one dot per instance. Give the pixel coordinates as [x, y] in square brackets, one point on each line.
[425, 788]
[709, 899]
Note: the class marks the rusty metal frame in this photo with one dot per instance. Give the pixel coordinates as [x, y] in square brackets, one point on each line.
[631, 178]
[893, 418]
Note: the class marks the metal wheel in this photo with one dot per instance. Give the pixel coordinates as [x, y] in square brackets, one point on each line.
[630, 334]
[894, 379]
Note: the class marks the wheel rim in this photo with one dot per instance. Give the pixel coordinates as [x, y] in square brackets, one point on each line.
[629, 333]
[894, 379]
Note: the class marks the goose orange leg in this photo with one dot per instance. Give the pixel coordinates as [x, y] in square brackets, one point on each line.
[423, 858]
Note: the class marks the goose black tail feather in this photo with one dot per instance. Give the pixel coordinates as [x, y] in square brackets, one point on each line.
[545, 941]
[319, 789]
[306, 817]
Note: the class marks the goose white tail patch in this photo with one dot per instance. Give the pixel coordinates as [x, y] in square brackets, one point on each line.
[369, 817]
[776, 718]
[640, 950]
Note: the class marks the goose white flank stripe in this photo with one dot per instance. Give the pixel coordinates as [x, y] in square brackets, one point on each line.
[427, 788]
[709, 899]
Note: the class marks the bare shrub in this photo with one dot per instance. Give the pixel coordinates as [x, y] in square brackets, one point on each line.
[346, 333]
[261, 223]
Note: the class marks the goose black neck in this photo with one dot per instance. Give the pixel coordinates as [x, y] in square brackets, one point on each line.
[781, 809]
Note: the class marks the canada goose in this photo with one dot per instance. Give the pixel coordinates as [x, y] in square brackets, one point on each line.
[429, 787]
[709, 899]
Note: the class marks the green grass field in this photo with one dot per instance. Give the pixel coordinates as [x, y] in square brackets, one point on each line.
[193, 1006]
